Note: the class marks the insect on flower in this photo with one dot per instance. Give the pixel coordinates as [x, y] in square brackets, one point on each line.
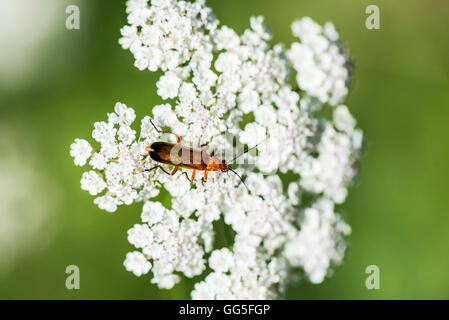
[180, 156]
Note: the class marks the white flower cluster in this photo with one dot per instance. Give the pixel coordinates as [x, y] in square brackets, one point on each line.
[236, 278]
[218, 84]
[119, 163]
[320, 61]
[334, 167]
[320, 241]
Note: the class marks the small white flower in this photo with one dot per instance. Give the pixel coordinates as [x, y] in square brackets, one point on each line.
[148, 58]
[226, 38]
[140, 235]
[123, 115]
[130, 39]
[92, 182]
[136, 263]
[204, 79]
[330, 31]
[305, 27]
[300, 55]
[107, 203]
[126, 135]
[221, 260]
[147, 129]
[109, 149]
[248, 100]
[164, 116]
[265, 115]
[104, 132]
[81, 151]
[228, 62]
[166, 281]
[343, 119]
[253, 134]
[134, 5]
[187, 93]
[98, 161]
[168, 85]
[203, 291]
[153, 212]
[260, 28]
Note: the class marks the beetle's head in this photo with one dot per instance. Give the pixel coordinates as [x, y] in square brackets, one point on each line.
[223, 166]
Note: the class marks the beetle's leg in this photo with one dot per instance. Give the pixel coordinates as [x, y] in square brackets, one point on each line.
[160, 168]
[193, 176]
[204, 146]
[174, 171]
[187, 176]
[204, 180]
[178, 139]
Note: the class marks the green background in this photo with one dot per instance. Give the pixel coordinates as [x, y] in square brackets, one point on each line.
[398, 210]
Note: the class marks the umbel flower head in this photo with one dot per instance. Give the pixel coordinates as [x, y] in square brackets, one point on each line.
[219, 84]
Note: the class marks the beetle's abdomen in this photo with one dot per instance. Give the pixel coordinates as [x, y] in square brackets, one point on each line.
[177, 155]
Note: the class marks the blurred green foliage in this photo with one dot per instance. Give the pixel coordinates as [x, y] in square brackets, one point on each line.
[398, 210]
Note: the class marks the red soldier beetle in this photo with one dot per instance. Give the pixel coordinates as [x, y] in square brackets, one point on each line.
[194, 159]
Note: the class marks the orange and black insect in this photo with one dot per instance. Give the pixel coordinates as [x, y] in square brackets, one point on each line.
[180, 156]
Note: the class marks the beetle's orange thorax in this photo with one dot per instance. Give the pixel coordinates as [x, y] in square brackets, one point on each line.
[216, 165]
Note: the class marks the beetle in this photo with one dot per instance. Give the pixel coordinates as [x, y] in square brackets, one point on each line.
[180, 156]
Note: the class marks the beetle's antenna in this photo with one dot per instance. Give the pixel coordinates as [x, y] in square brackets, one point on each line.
[158, 130]
[249, 149]
[178, 139]
[240, 178]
